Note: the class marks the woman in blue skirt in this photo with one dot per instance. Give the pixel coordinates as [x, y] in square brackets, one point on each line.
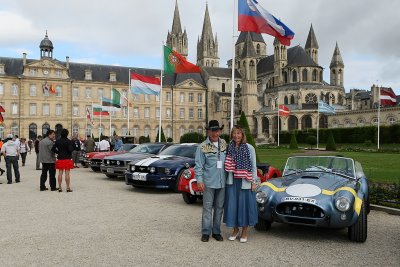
[240, 209]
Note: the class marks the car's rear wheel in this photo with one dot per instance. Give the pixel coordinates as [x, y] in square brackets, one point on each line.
[262, 225]
[358, 231]
[189, 198]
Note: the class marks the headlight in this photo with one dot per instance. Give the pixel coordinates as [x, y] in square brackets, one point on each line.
[132, 168]
[167, 171]
[152, 169]
[118, 162]
[261, 197]
[108, 162]
[187, 174]
[342, 204]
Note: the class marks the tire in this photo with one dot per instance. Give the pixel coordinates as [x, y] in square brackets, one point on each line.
[111, 176]
[262, 225]
[95, 169]
[177, 182]
[189, 198]
[358, 231]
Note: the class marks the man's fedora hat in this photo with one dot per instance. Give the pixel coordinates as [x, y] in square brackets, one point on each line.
[213, 125]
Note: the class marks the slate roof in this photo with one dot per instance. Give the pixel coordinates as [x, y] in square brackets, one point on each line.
[255, 37]
[101, 73]
[221, 72]
[296, 56]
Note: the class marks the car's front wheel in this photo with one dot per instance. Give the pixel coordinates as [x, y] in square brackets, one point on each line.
[189, 198]
[262, 225]
[358, 231]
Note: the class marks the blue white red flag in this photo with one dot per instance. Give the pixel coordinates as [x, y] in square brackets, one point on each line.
[254, 18]
[325, 108]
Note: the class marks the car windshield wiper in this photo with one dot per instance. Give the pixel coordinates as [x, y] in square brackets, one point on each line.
[343, 175]
[293, 171]
[319, 168]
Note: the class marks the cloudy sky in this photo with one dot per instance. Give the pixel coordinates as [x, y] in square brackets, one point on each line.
[130, 33]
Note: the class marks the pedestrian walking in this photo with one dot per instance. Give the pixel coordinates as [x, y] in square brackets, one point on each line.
[10, 150]
[23, 150]
[210, 175]
[64, 147]
[89, 144]
[76, 153]
[36, 145]
[240, 209]
[48, 160]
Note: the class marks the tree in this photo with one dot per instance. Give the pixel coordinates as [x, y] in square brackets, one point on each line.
[226, 137]
[162, 136]
[142, 139]
[311, 140]
[330, 143]
[192, 138]
[245, 126]
[293, 141]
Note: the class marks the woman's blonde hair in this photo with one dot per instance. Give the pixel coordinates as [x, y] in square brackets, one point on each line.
[240, 129]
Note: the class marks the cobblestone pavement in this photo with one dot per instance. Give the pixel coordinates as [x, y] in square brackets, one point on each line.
[107, 223]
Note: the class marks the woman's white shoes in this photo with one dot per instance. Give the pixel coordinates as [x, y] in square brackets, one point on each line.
[243, 240]
[233, 237]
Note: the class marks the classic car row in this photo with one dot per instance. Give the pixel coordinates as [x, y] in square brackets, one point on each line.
[318, 191]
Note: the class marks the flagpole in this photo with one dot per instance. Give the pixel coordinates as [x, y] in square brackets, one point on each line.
[111, 108]
[379, 113]
[277, 104]
[91, 123]
[101, 113]
[127, 97]
[233, 67]
[318, 125]
[160, 98]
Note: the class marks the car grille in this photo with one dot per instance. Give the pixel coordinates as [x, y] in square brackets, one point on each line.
[143, 169]
[300, 210]
[95, 161]
[118, 163]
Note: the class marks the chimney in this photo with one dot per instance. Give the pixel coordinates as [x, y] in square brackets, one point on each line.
[23, 59]
[67, 60]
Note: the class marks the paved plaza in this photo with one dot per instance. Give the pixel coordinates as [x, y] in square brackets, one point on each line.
[107, 223]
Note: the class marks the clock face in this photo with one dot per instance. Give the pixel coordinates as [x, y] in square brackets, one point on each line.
[45, 72]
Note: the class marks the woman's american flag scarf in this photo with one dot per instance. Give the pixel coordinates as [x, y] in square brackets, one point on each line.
[238, 161]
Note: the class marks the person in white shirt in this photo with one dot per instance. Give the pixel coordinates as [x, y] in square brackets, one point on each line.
[10, 150]
[104, 145]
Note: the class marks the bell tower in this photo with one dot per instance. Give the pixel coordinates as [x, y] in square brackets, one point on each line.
[46, 48]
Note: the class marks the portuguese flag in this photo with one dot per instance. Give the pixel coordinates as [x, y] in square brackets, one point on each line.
[176, 63]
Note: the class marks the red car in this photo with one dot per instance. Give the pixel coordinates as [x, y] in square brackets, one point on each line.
[190, 192]
[95, 159]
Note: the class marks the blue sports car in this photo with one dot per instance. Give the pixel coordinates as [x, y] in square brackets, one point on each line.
[162, 170]
[320, 191]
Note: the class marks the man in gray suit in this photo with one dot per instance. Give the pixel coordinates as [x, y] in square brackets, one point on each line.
[48, 160]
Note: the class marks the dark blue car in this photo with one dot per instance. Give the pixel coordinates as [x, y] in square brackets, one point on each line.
[115, 165]
[163, 170]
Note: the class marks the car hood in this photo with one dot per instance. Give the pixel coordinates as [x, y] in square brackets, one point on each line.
[101, 155]
[129, 156]
[322, 180]
[167, 161]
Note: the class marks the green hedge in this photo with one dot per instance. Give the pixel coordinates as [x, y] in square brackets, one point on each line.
[357, 135]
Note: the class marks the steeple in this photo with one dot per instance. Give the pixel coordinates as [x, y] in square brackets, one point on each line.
[248, 49]
[337, 67]
[176, 39]
[207, 46]
[46, 47]
[280, 61]
[312, 45]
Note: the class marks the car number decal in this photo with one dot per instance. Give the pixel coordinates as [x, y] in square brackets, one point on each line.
[139, 176]
[300, 199]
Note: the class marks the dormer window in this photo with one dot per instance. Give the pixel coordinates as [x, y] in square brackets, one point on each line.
[33, 72]
[2, 69]
[113, 77]
[58, 73]
[88, 75]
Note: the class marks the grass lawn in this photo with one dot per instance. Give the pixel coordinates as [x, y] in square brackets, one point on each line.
[378, 167]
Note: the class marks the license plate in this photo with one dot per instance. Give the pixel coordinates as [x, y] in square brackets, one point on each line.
[110, 170]
[139, 176]
[301, 199]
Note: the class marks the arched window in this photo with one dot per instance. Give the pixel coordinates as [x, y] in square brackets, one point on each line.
[347, 123]
[320, 76]
[75, 129]
[45, 128]
[32, 131]
[360, 122]
[292, 100]
[304, 75]
[14, 129]
[181, 131]
[252, 70]
[335, 124]
[258, 50]
[285, 100]
[1, 132]
[135, 131]
[294, 76]
[223, 87]
[314, 75]
[391, 120]
[124, 130]
[146, 131]
[285, 77]
[88, 130]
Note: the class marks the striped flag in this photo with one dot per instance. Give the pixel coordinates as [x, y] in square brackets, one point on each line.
[98, 110]
[88, 116]
[325, 108]
[387, 97]
[1, 115]
[2, 109]
[284, 111]
[145, 85]
[114, 102]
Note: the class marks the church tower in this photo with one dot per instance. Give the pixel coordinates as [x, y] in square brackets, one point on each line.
[176, 39]
[207, 46]
[312, 45]
[280, 61]
[248, 70]
[337, 68]
[46, 48]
